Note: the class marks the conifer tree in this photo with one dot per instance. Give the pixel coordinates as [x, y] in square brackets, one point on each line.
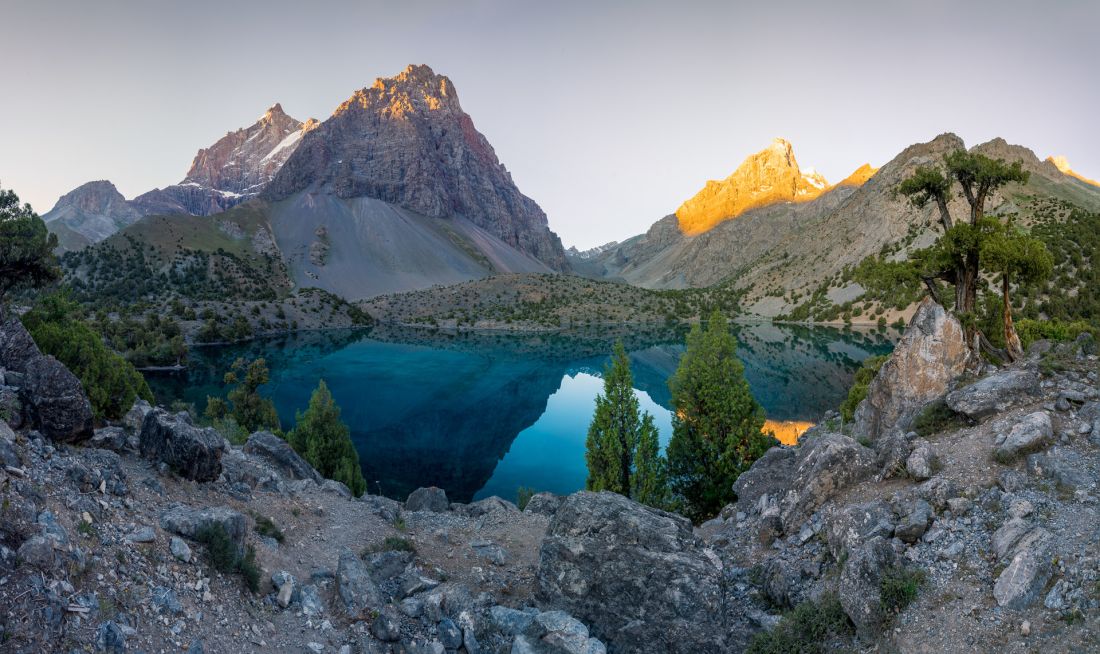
[250, 409]
[622, 449]
[716, 423]
[325, 441]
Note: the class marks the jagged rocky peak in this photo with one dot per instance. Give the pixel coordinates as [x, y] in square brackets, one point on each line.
[88, 214]
[767, 177]
[243, 161]
[417, 88]
[405, 140]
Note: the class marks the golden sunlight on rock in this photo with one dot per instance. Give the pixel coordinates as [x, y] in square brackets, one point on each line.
[1062, 164]
[787, 431]
[860, 176]
[767, 177]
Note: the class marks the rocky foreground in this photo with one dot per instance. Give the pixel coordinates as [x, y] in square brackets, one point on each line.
[983, 488]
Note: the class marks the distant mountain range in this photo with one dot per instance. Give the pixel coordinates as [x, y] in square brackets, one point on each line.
[395, 191]
[776, 231]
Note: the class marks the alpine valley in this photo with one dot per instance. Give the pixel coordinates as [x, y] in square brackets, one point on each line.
[342, 389]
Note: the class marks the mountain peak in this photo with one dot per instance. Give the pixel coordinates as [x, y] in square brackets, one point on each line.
[91, 196]
[767, 177]
[417, 89]
[859, 176]
[273, 112]
[1062, 164]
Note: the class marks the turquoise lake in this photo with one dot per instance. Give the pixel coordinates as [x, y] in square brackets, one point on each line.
[483, 414]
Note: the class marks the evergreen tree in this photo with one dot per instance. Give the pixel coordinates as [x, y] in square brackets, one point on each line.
[649, 485]
[325, 441]
[622, 449]
[251, 410]
[26, 247]
[1019, 259]
[716, 423]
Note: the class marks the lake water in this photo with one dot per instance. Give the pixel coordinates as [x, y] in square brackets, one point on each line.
[483, 414]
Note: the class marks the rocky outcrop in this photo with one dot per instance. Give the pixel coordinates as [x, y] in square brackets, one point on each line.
[994, 393]
[47, 395]
[354, 585]
[825, 464]
[860, 582]
[189, 522]
[635, 576]
[929, 356]
[193, 452]
[281, 456]
[428, 499]
[406, 141]
[1033, 431]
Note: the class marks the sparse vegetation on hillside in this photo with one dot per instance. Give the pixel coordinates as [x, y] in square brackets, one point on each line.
[546, 301]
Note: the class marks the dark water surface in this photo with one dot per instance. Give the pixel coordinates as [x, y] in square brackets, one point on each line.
[483, 414]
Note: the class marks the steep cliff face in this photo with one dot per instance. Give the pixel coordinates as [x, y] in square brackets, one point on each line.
[768, 177]
[89, 213]
[406, 141]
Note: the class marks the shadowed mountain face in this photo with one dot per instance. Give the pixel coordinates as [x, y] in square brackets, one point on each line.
[406, 141]
[89, 214]
[469, 412]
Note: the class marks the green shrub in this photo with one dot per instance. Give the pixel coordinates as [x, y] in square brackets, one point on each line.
[523, 496]
[900, 586]
[266, 527]
[936, 417]
[225, 556]
[856, 394]
[805, 630]
[110, 382]
[392, 544]
[1030, 331]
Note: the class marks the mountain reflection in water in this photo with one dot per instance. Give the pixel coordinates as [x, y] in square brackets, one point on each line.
[483, 414]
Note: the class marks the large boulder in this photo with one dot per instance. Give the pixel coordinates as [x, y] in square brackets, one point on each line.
[188, 521]
[848, 526]
[280, 455]
[193, 452]
[930, 354]
[1030, 433]
[995, 393]
[428, 499]
[859, 586]
[61, 410]
[354, 585]
[17, 348]
[1028, 572]
[49, 392]
[769, 475]
[635, 576]
[824, 465]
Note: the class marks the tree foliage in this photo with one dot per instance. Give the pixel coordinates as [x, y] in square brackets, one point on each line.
[622, 449]
[26, 247]
[325, 441]
[111, 383]
[1018, 259]
[246, 407]
[716, 421]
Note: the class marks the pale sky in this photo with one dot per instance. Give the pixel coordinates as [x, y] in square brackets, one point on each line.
[608, 114]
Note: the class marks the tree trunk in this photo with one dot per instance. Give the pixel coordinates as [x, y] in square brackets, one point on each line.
[945, 215]
[1012, 339]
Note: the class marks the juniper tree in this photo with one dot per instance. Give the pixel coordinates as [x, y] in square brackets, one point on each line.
[622, 449]
[323, 439]
[251, 410]
[978, 176]
[716, 422]
[26, 247]
[1018, 259]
